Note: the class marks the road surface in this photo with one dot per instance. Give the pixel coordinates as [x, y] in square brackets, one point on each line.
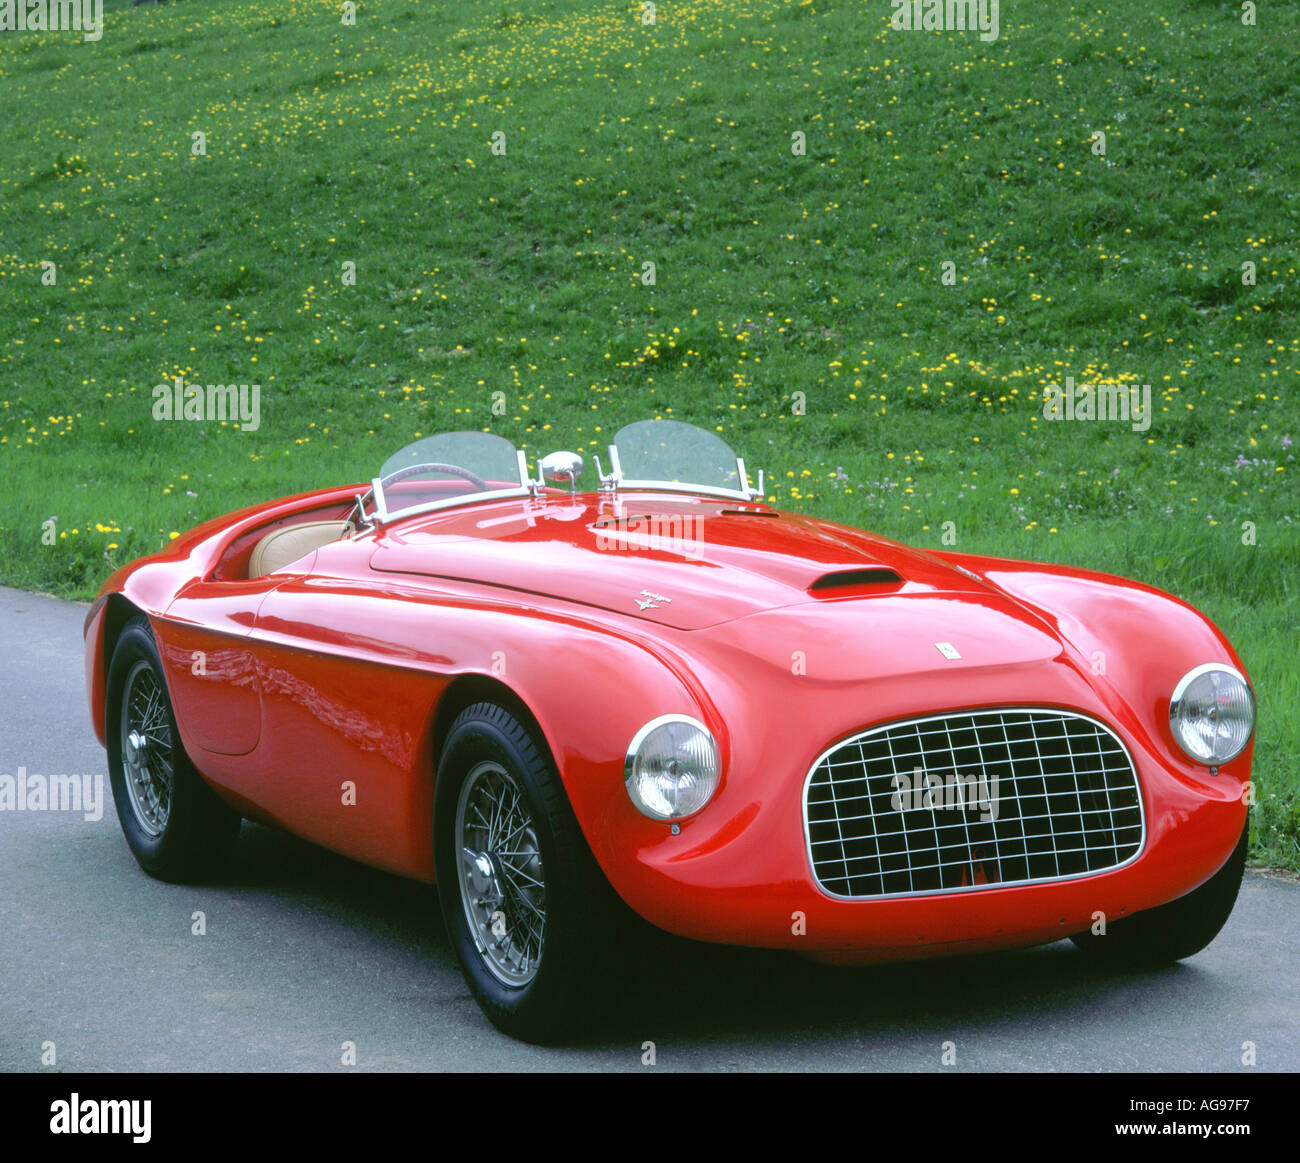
[305, 952]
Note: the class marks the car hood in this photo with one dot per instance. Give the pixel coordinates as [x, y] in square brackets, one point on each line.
[691, 565]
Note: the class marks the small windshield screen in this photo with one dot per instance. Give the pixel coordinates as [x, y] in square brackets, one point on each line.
[452, 465]
[673, 452]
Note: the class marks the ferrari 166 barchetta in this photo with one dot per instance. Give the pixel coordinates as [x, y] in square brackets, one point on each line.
[664, 697]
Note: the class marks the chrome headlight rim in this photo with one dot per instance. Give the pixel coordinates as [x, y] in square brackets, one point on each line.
[634, 749]
[1176, 705]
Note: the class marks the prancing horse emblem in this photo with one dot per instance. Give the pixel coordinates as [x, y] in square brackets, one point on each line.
[650, 599]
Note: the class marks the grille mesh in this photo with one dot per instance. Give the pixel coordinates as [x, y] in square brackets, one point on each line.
[971, 800]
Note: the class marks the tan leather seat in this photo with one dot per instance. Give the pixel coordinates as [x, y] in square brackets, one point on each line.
[290, 542]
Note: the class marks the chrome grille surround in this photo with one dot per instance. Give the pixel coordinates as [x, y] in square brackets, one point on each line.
[1067, 799]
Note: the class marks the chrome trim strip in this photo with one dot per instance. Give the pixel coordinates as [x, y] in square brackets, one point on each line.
[682, 487]
[385, 517]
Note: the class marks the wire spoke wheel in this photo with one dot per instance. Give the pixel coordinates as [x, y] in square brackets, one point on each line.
[532, 921]
[176, 826]
[148, 760]
[502, 883]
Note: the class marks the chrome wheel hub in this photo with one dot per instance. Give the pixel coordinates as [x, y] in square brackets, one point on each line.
[148, 762]
[135, 745]
[482, 874]
[502, 887]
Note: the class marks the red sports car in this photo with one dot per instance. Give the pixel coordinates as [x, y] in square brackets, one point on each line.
[665, 697]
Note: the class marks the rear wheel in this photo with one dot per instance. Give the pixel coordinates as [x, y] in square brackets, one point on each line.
[1179, 929]
[174, 824]
[531, 918]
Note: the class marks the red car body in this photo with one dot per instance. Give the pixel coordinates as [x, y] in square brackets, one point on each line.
[784, 636]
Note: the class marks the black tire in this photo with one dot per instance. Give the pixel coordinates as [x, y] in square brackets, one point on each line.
[176, 827]
[557, 987]
[1185, 926]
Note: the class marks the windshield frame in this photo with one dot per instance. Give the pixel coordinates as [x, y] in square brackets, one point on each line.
[746, 492]
[381, 514]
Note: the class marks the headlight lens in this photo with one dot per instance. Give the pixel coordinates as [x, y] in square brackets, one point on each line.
[1212, 713]
[672, 767]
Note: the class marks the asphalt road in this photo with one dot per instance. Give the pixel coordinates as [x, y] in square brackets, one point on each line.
[305, 952]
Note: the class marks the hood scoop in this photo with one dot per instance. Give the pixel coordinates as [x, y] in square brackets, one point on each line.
[842, 582]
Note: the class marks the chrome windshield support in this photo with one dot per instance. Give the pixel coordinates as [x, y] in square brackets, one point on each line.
[533, 485]
[607, 483]
[381, 510]
[363, 519]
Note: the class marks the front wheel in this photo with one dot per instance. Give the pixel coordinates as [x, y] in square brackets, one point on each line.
[1171, 932]
[174, 824]
[531, 918]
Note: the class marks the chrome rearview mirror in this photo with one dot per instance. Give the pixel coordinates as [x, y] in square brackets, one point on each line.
[562, 468]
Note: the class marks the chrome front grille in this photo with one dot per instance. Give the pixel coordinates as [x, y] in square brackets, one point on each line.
[973, 800]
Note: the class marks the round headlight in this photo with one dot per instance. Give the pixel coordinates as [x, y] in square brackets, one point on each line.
[671, 768]
[1212, 713]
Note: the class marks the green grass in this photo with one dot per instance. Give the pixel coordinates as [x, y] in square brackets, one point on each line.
[776, 275]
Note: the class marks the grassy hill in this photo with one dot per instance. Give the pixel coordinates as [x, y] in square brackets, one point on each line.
[872, 320]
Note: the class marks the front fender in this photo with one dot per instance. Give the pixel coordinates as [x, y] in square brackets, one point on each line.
[1136, 641]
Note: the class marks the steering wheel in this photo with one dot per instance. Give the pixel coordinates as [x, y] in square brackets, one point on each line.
[455, 470]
